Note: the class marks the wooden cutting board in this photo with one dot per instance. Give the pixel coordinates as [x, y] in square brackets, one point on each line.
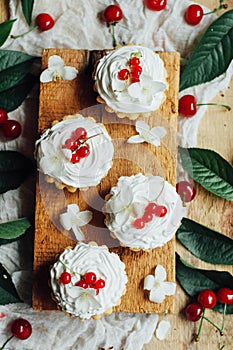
[58, 99]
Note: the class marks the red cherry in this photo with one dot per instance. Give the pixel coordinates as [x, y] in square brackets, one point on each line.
[123, 74]
[193, 312]
[147, 217]
[151, 208]
[83, 151]
[99, 284]
[80, 133]
[75, 158]
[160, 211]
[156, 5]
[3, 116]
[187, 106]
[135, 61]
[11, 129]
[186, 191]
[90, 277]
[65, 278]
[112, 13]
[225, 296]
[193, 14]
[71, 144]
[207, 298]
[21, 328]
[82, 284]
[139, 223]
[44, 21]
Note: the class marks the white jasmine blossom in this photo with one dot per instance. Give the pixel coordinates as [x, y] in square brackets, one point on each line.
[57, 70]
[163, 330]
[145, 134]
[145, 89]
[74, 219]
[157, 286]
[85, 299]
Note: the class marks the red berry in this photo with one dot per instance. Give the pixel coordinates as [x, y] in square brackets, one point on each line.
[99, 284]
[187, 106]
[156, 5]
[147, 217]
[11, 129]
[80, 134]
[112, 13]
[3, 116]
[75, 158]
[207, 298]
[71, 144]
[225, 296]
[160, 211]
[65, 278]
[44, 21]
[123, 74]
[83, 151]
[90, 277]
[134, 80]
[135, 61]
[186, 191]
[151, 208]
[139, 223]
[21, 328]
[136, 70]
[193, 312]
[193, 14]
[82, 284]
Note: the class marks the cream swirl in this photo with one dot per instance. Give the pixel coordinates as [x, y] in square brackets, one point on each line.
[114, 91]
[78, 261]
[54, 160]
[128, 202]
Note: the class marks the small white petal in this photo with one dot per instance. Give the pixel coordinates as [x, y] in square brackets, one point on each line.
[84, 217]
[169, 287]
[158, 131]
[157, 86]
[73, 209]
[163, 330]
[155, 142]
[160, 273]
[69, 73]
[65, 221]
[135, 90]
[141, 126]
[46, 76]
[123, 216]
[157, 295]
[135, 139]
[138, 209]
[149, 282]
[67, 153]
[78, 233]
[52, 163]
[55, 62]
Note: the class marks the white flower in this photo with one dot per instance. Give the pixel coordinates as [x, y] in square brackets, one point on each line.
[74, 218]
[57, 70]
[84, 299]
[163, 330]
[157, 287]
[146, 89]
[51, 161]
[146, 134]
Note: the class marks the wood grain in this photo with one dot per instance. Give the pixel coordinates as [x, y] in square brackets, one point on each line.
[61, 98]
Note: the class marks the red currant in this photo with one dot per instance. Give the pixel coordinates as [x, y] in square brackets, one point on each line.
[156, 5]
[147, 217]
[187, 106]
[80, 134]
[83, 151]
[136, 70]
[134, 80]
[151, 208]
[139, 223]
[99, 284]
[193, 312]
[112, 13]
[193, 14]
[11, 129]
[71, 144]
[207, 298]
[186, 191]
[225, 296]
[160, 211]
[90, 277]
[44, 21]
[123, 74]
[135, 61]
[82, 284]
[65, 278]
[21, 328]
[75, 158]
[3, 116]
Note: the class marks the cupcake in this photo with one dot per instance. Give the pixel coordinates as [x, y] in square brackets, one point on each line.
[143, 212]
[131, 80]
[75, 153]
[88, 281]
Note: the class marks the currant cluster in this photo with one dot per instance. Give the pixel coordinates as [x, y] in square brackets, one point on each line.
[20, 329]
[77, 145]
[10, 128]
[151, 210]
[88, 280]
[133, 73]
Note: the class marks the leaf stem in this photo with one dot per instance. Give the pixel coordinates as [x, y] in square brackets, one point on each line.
[21, 35]
[214, 104]
[3, 346]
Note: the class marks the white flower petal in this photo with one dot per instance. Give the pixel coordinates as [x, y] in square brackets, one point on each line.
[69, 73]
[84, 217]
[55, 62]
[67, 153]
[73, 209]
[126, 197]
[157, 86]
[149, 282]
[52, 163]
[155, 141]
[135, 90]
[158, 131]
[138, 209]
[65, 221]
[78, 233]
[141, 126]
[163, 330]
[160, 273]
[169, 287]
[157, 295]
[123, 216]
[135, 139]
[46, 76]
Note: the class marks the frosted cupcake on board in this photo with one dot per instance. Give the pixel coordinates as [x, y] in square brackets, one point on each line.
[131, 80]
[143, 212]
[88, 281]
[75, 153]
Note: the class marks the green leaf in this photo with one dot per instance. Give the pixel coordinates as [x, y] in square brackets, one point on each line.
[212, 55]
[194, 280]
[210, 170]
[14, 167]
[14, 65]
[14, 229]
[12, 98]
[27, 7]
[206, 244]
[8, 293]
[5, 29]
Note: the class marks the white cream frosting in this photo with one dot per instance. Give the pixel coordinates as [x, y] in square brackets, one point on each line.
[128, 202]
[54, 160]
[112, 90]
[88, 258]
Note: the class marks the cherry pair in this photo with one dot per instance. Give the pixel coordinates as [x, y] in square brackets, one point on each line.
[77, 144]
[134, 72]
[151, 210]
[10, 128]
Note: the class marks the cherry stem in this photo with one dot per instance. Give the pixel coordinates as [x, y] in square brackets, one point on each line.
[221, 7]
[213, 324]
[214, 104]
[114, 43]
[83, 143]
[223, 318]
[21, 35]
[6, 342]
[197, 338]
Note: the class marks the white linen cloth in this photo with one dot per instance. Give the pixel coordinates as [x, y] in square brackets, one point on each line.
[77, 26]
